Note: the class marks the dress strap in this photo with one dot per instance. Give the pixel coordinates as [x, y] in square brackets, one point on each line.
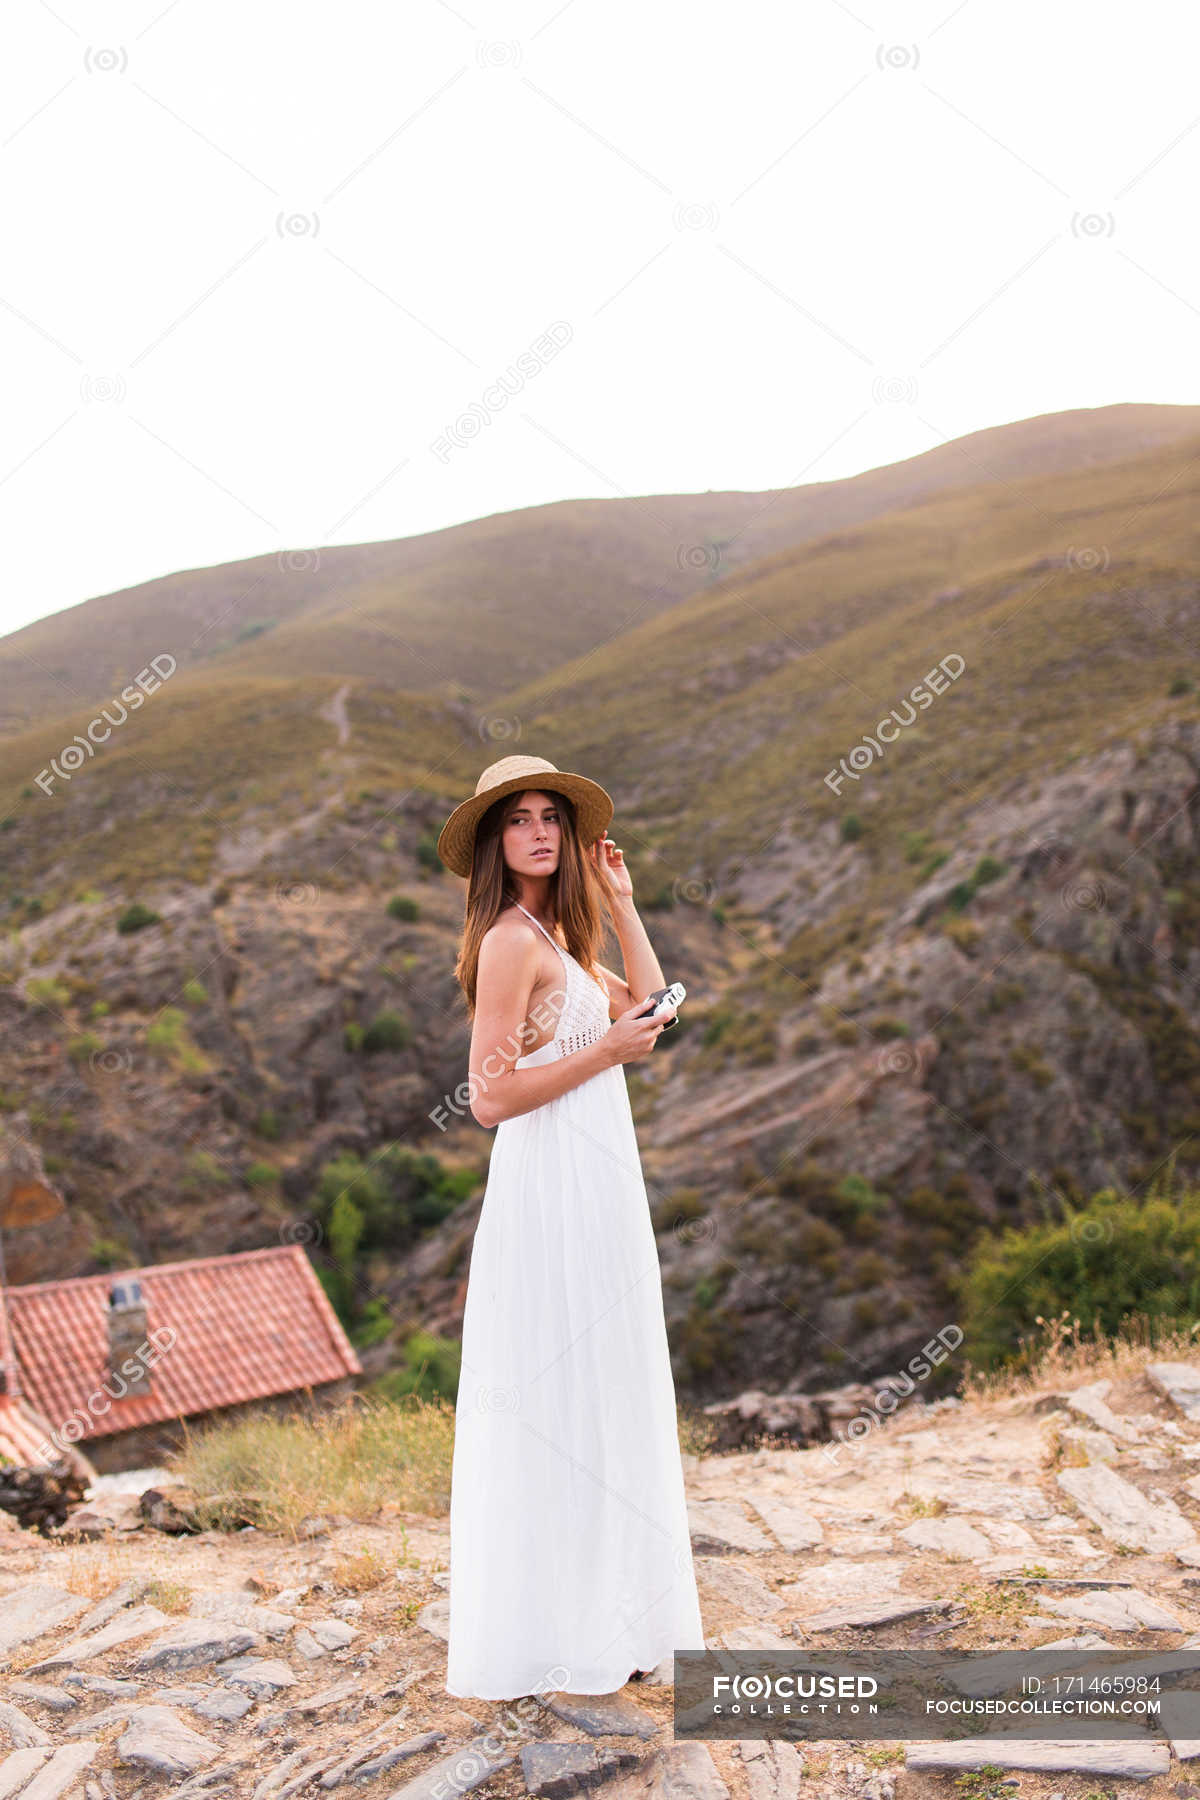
[539, 925]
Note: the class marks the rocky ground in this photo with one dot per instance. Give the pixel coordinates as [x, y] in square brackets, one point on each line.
[136, 1664]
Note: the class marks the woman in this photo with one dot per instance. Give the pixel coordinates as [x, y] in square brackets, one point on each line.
[570, 1559]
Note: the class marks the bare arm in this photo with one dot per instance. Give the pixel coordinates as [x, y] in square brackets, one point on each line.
[642, 971]
[501, 1032]
[619, 993]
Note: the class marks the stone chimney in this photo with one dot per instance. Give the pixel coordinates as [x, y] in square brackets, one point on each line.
[127, 1334]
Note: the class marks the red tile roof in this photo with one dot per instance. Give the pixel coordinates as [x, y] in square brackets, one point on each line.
[245, 1326]
[23, 1432]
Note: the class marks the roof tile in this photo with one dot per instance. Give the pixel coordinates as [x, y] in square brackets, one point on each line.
[244, 1327]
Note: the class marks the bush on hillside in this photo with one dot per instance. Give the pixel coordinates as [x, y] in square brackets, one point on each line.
[1103, 1263]
[431, 1369]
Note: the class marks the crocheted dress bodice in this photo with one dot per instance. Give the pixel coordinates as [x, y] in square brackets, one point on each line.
[584, 1018]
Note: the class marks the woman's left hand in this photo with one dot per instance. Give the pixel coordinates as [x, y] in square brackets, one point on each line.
[610, 863]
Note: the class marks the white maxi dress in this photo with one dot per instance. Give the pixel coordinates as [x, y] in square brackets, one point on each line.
[570, 1558]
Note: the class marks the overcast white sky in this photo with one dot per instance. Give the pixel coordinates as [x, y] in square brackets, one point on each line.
[265, 264]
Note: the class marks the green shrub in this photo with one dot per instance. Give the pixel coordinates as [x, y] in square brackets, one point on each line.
[886, 1027]
[344, 1231]
[401, 1194]
[401, 906]
[852, 828]
[431, 1366]
[387, 1031]
[261, 1174]
[374, 1323]
[201, 1172]
[427, 854]
[45, 991]
[1103, 1262]
[859, 1197]
[136, 917]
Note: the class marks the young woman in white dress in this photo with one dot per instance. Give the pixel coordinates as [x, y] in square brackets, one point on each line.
[570, 1559]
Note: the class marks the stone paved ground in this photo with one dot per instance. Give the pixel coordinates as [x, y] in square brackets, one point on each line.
[139, 1665]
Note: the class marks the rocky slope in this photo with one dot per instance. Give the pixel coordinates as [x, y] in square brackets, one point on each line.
[833, 1122]
[1024, 1025]
[136, 1665]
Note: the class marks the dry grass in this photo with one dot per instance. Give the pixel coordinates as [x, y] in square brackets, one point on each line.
[697, 1434]
[354, 1461]
[1066, 1357]
[367, 1458]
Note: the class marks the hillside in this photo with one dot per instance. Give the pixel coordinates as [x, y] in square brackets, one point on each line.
[473, 610]
[962, 991]
[1061, 1513]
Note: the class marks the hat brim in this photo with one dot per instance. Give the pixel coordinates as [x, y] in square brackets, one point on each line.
[593, 811]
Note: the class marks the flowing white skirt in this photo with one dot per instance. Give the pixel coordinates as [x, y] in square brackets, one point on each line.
[570, 1559]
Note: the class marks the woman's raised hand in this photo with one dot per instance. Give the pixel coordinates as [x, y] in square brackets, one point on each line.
[609, 862]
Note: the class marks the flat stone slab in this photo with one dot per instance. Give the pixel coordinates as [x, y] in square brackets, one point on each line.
[330, 1696]
[990, 1499]
[16, 1769]
[1138, 1759]
[866, 1612]
[397, 1753]
[861, 1543]
[1126, 1609]
[722, 1525]
[159, 1740]
[1007, 1535]
[20, 1729]
[43, 1694]
[224, 1706]
[776, 1770]
[795, 1529]
[680, 1771]
[1097, 1446]
[601, 1715]
[434, 1618]
[195, 1641]
[755, 1637]
[952, 1538]
[242, 1608]
[100, 1684]
[459, 1772]
[739, 1586]
[134, 1622]
[1176, 1716]
[846, 1580]
[261, 1676]
[30, 1612]
[1180, 1383]
[553, 1771]
[60, 1772]
[1123, 1512]
[1090, 1403]
[332, 1634]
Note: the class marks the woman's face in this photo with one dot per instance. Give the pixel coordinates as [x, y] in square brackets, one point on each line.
[532, 835]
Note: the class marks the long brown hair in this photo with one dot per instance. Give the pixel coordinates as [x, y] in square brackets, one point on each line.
[576, 901]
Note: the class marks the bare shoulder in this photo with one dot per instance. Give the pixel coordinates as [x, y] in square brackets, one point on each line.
[506, 936]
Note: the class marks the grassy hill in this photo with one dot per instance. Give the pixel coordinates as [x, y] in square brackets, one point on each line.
[477, 609]
[917, 1007]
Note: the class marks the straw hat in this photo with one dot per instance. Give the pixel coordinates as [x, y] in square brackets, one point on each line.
[512, 775]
